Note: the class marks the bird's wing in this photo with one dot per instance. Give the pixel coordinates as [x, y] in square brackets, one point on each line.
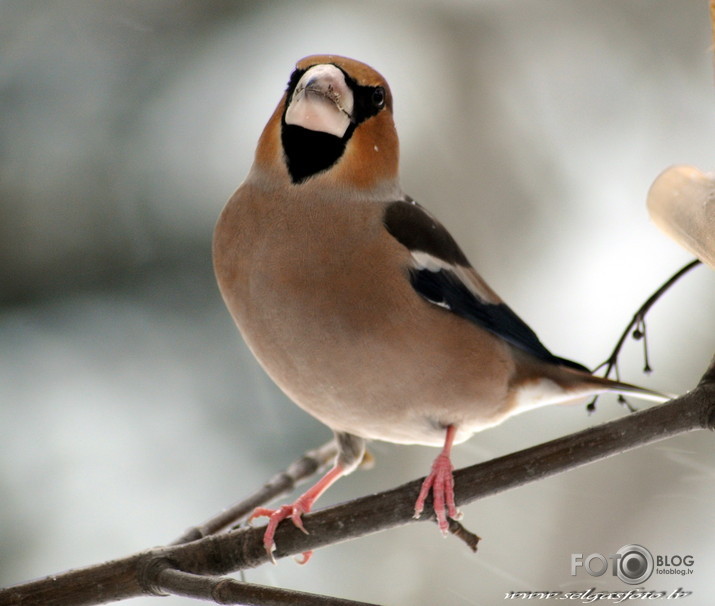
[441, 273]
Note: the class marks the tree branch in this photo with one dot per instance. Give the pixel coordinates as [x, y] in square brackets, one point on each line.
[224, 590]
[149, 572]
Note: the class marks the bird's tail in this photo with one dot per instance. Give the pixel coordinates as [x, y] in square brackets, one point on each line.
[543, 384]
[581, 383]
[627, 389]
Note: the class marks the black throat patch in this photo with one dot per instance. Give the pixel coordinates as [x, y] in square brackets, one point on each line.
[308, 152]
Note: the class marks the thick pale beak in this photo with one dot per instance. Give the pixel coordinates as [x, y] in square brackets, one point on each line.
[322, 101]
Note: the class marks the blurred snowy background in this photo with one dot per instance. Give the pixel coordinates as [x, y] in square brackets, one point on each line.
[129, 407]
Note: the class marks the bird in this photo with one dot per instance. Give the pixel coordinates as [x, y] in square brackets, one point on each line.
[357, 301]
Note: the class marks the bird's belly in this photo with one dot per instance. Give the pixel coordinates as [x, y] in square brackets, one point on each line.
[380, 374]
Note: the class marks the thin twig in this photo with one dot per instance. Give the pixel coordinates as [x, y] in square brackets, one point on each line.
[457, 530]
[638, 326]
[280, 484]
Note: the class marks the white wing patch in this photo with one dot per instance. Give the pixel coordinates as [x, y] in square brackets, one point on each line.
[466, 275]
[424, 260]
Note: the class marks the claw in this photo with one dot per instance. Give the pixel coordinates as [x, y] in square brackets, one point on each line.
[275, 517]
[304, 557]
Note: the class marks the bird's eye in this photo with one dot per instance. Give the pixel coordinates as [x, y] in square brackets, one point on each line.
[378, 97]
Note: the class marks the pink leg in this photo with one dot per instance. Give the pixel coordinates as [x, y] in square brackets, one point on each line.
[301, 505]
[441, 483]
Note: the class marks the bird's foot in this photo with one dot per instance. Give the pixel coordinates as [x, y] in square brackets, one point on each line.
[302, 505]
[441, 482]
[276, 516]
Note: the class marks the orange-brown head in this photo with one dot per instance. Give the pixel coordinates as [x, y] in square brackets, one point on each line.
[333, 123]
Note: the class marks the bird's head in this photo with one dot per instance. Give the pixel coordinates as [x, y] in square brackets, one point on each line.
[334, 122]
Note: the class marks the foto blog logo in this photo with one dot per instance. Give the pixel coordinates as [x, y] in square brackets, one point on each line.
[632, 564]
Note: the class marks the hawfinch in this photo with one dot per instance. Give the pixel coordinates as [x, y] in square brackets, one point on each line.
[358, 303]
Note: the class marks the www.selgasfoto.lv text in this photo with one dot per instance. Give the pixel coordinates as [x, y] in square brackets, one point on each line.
[589, 596]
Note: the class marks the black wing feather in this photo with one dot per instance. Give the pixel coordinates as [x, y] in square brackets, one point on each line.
[445, 289]
[414, 228]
